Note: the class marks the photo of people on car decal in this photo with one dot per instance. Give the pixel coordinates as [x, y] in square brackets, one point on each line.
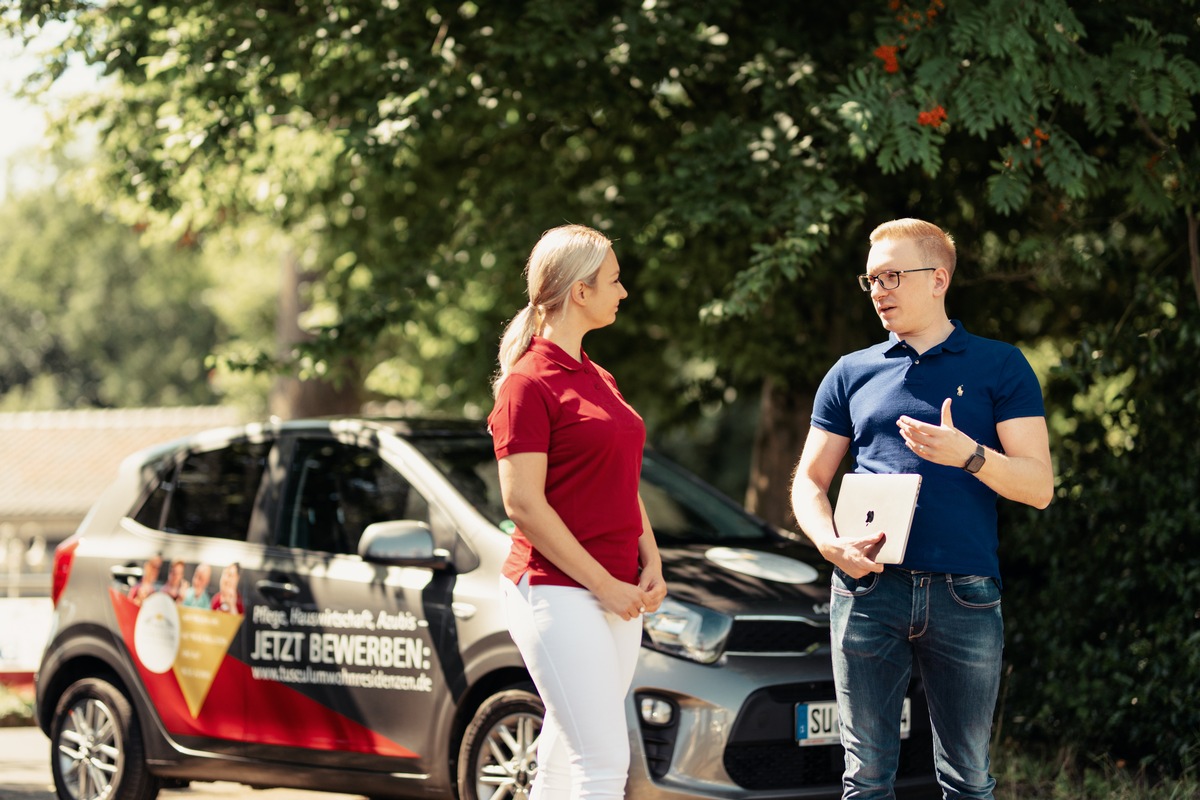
[169, 635]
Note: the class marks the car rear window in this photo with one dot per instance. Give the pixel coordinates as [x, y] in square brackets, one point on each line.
[210, 493]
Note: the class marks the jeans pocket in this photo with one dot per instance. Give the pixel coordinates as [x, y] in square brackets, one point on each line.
[843, 584]
[974, 591]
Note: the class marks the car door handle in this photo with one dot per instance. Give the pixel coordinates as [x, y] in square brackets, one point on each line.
[124, 572]
[285, 590]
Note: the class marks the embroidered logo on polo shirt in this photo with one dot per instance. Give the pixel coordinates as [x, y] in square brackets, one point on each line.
[960, 390]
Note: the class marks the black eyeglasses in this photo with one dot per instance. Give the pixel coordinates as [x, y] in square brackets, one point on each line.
[888, 280]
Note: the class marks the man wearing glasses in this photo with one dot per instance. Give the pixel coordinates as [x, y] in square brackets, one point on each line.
[966, 413]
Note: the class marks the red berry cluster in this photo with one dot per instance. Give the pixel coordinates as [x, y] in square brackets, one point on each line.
[934, 117]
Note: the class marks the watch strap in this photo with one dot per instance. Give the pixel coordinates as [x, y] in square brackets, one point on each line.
[977, 460]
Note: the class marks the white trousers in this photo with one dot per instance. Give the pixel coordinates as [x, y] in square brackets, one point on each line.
[582, 659]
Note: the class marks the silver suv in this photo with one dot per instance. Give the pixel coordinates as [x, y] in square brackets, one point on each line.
[313, 605]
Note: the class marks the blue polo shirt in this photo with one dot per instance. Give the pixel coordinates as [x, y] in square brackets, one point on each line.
[862, 396]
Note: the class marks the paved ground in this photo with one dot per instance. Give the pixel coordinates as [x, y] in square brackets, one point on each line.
[25, 775]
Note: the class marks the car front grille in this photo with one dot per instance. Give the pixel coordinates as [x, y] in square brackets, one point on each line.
[776, 636]
[782, 766]
[762, 753]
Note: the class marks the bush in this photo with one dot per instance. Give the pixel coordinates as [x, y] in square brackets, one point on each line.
[1063, 775]
[16, 708]
[1103, 588]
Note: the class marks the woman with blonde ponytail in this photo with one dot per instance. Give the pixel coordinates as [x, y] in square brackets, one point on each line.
[562, 257]
[584, 566]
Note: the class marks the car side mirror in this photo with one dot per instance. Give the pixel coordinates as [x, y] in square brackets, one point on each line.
[402, 543]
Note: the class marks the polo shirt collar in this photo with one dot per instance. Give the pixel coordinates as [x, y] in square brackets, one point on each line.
[956, 342]
[556, 355]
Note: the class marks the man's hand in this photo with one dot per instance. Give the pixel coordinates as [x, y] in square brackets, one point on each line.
[855, 557]
[941, 444]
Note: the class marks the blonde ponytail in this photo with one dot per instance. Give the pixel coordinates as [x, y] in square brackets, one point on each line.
[563, 256]
[515, 341]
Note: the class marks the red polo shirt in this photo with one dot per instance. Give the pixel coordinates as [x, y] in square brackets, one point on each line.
[593, 440]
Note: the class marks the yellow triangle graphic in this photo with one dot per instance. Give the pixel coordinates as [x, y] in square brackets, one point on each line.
[204, 638]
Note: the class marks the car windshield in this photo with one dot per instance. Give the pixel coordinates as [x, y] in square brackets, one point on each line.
[681, 507]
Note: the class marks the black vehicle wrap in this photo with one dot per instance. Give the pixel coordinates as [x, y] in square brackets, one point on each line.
[318, 650]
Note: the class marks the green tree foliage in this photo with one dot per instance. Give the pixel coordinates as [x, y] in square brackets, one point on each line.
[740, 153]
[429, 147]
[736, 152]
[90, 317]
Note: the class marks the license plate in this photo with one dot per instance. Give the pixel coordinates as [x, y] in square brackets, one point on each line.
[817, 723]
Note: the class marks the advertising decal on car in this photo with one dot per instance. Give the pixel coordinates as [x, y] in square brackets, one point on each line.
[182, 653]
[321, 647]
[191, 642]
[179, 628]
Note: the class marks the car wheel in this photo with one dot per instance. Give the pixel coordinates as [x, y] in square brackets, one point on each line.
[97, 751]
[498, 757]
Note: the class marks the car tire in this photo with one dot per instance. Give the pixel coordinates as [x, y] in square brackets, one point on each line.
[498, 756]
[96, 746]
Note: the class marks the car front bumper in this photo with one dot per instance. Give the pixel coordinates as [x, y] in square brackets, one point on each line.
[732, 732]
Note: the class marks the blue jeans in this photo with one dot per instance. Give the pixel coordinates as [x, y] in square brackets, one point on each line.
[952, 626]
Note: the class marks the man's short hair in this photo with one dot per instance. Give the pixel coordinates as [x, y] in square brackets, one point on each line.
[936, 246]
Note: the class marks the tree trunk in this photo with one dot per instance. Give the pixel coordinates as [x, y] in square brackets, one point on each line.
[845, 322]
[782, 427]
[292, 398]
[1193, 240]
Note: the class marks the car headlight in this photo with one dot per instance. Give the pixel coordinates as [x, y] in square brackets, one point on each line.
[688, 631]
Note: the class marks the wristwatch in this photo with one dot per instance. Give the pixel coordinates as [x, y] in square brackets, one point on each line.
[975, 462]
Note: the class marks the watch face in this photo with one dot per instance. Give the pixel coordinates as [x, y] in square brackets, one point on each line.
[975, 462]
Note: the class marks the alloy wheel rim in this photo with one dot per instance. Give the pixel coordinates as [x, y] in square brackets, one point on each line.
[508, 761]
[89, 751]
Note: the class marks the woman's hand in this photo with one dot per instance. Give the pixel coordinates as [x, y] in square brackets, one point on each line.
[654, 587]
[650, 579]
[624, 599]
